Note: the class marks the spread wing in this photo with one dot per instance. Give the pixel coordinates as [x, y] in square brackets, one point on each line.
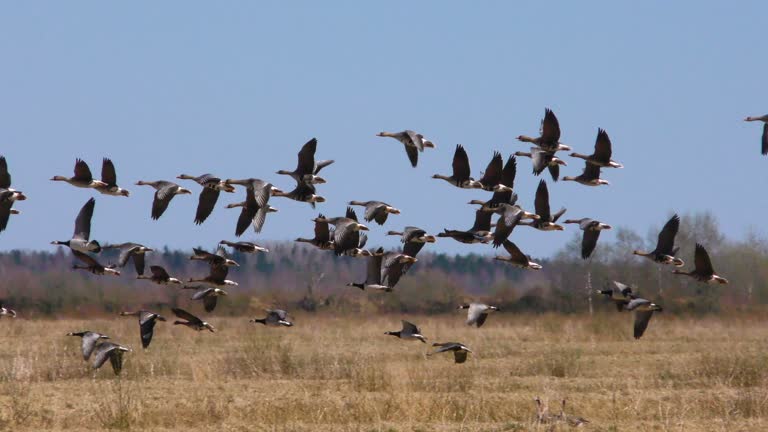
[102, 353]
[205, 204]
[89, 343]
[591, 172]
[159, 272]
[541, 202]
[666, 242]
[492, 175]
[588, 242]
[322, 232]
[108, 174]
[181, 313]
[515, 253]
[163, 197]
[550, 128]
[82, 172]
[460, 164]
[602, 146]
[702, 262]
[83, 221]
[5, 177]
[504, 226]
[413, 155]
[642, 318]
[306, 163]
[764, 140]
[410, 328]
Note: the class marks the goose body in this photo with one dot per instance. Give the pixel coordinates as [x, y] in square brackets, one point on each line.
[644, 310]
[373, 273]
[322, 239]
[602, 154]
[589, 177]
[665, 246]
[217, 275]
[274, 318]
[303, 192]
[620, 294]
[8, 196]
[109, 178]
[256, 205]
[458, 349]
[571, 420]
[542, 160]
[591, 230]
[80, 240]
[547, 220]
[164, 193]
[460, 176]
[4, 311]
[191, 321]
[414, 143]
[218, 258]
[131, 250]
[209, 296]
[477, 313]
[409, 332]
[509, 217]
[212, 186]
[244, 247]
[92, 265]
[479, 233]
[147, 321]
[346, 235]
[549, 138]
[307, 168]
[703, 270]
[82, 178]
[89, 340]
[517, 258]
[160, 276]
[112, 352]
[376, 210]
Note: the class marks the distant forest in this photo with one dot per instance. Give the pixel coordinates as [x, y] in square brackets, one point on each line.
[296, 276]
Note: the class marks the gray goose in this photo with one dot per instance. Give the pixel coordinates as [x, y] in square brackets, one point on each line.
[373, 273]
[503, 193]
[147, 321]
[620, 294]
[160, 276]
[602, 153]
[644, 310]
[274, 318]
[191, 321]
[109, 178]
[376, 210]
[92, 265]
[393, 267]
[459, 350]
[477, 313]
[589, 177]
[543, 159]
[509, 217]
[359, 251]
[8, 196]
[413, 142]
[549, 140]
[88, 342]
[218, 258]
[665, 245]
[322, 239]
[409, 332]
[256, 204]
[571, 420]
[346, 235]
[80, 240]
[212, 186]
[591, 230]
[112, 351]
[209, 296]
[703, 270]
[517, 258]
[164, 193]
[479, 233]
[307, 168]
[4, 311]
[413, 239]
[217, 276]
[303, 192]
[82, 178]
[131, 250]
[461, 172]
[491, 179]
[244, 247]
[546, 220]
[764, 138]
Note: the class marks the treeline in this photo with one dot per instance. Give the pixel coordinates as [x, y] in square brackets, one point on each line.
[298, 276]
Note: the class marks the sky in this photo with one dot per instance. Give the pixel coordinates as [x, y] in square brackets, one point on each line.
[164, 88]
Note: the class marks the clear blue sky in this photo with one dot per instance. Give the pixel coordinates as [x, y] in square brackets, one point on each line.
[236, 88]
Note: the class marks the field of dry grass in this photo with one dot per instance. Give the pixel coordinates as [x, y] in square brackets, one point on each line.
[329, 374]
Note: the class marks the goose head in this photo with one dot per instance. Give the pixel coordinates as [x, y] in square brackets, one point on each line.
[316, 199]
[429, 238]
[183, 191]
[392, 210]
[360, 227]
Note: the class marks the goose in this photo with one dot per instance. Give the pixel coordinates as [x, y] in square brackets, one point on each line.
[307, 168]
[460, 177]
[570, 420]
[80, 240]
[4, 311]
[546, 220]
[373, 273]
[549, 140]
[543, 159]
[408, 332]
[8, 196]
[216, 276]
[244, 247]
[346, 234]
[393, 267]
[109, 178]
[764, 138]
[543, 416]
[131, 250]
[165, 191]
[92, 265]
[413, 142]
[191, 321]
[160, 276]
[602, 155]
[517, 258]
[413, 239]
[147, 321]
[88, 342]
[112, 351]
[322, 239]
[256, 204]
[82, 178]
[591, 230]
[509, 217]
[590, 176]
[359, 251]
[703, 270]
[620, 294]
[376, 210]
[303, 192]
[503, 193]
[644, 310]
[477, 313]
[212, 186]
[459, 350]
[209, 296]
[665, 245]
[274, 318]
[479, 233]
[492, 176]
[219, 258]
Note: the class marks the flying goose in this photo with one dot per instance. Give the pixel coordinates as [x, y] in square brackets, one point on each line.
[244, 247]
[111, 351]
[359, 251]
[549, 140]
[408, 332]
[109, 178]
[80, 240]
[89, 340]
[82, 178]
[376, 210]
[4, 311]
[570, 420]
[7, 195]
[303, 192]
[703, 270]
[477, 313]
[346, 235]
[274, 318]
[591, 230]
[92, 265]
[393, 267]
[218, 258]
[460, 177]
[546, 220]
[160, 276]
[543, 159]
[165, 191]
[517, 257]
[322, 239]
[589, 177]
[307, 168]
[209, 296]
[131, 250]
[255, 207]
[460, 350]
[764, 138]
[191, 321]
[147, 321]
[413, 239]
[665, 245]
[212, 186]
[479, 233]
[491, 179]
[644, 310]
[413, 142]
[620, 294]
[509, 217]
[543, 416]
[503, 193]
[216, 276]
[373, 273]
[602, 155]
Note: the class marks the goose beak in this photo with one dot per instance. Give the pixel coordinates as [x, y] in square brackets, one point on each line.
[381, 134]
[430, 239]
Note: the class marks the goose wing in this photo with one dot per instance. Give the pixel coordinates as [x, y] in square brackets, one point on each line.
[248, 213]
[260, 218]
[322, 164]
[181, 313]
[218, 272]
[460, 356]
[147, 321]
[554, 171]
[460, 164]
[5, 177]
[306, 159]
[764, 140]
[588, 242]
[205, 204]
[506, 223]
[351, 214]
[410, 328]
[86, 259]
[262, 192]
[412, 249]
[482, 221]
[602, 147]
[515, 253]
[5, 214]
[108, 174]
[558, 214]
[163, 196]
[159, 272]
[474, 313]
[209, 302]
[345, 238]
[413, 154]
[372, 210]
[540, 160]
[702, 262]
[83, 221]
[102, 353]
[642, 318]
[363, 240]
[591, 172]
[416, 140]
[666, 242]
[125, 253]
[550, 128]
[448, 346]
[89, 343]
[201, 293]
[509, 172]
[541, 202]
[492, 175]
[373, 269]
[322, 232]
[82, 172]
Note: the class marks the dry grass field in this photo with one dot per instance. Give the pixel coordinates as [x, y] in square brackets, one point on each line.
[330, 374]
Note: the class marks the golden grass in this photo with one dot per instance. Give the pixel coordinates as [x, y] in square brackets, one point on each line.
[329, 374]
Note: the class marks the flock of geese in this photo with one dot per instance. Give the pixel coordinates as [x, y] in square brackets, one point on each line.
[344, 235]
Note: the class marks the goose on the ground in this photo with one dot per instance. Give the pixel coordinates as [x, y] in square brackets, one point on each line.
[461, 172]
[82, 178]
[303, 192]
[4, 311]
[644, 310]
[191, 321]
[147, 321]
[393, 267]
[256, 204]
[571, 420]
[80, 240]
[109, 178]
[307, 168]
[164, 193]
[131, 250]
[517, 258]
[88, 342]
[549, 138]
[218, 258]
[274, 318]
[8, 196]
[160, 276]
[764, 138]
[459, 350]
[479, 233]
[409, 332]
[112, 351]
[546, 221]
[244, 246]
[346, 234]
[322, 239]
[209, 296]
[543, 159]
[543, 416]
[373, 273]
[703, 270]
[477, 313]
[665, 245]
[509, 217]
[413, 142]
[212, 186]
[589, 177]
[602, 154]
[92, 265]
[619, 293]
[217, 275]
[376, 210]
[591, 230]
